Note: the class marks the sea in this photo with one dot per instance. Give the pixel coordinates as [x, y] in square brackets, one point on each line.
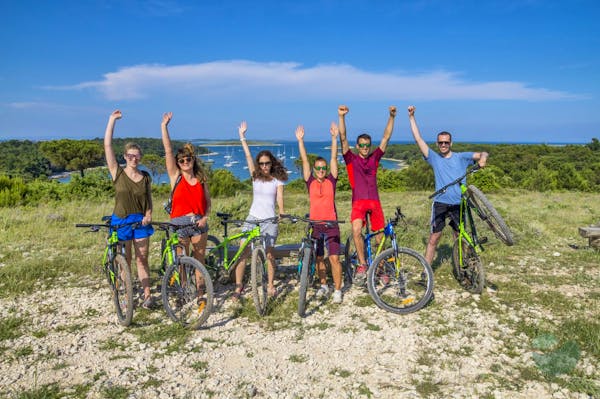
[231, 157]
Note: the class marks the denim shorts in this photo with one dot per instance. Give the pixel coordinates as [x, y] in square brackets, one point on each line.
[126, 233]
[188, 231]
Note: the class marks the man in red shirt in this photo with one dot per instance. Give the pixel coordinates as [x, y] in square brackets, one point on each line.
[362, 174]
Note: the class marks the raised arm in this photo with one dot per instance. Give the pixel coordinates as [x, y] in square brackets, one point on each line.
[389, 128]
[172, 170]
[415, 131]
[242, 131]
[303, 155]
[342, 111]
[481, 158]
[111, 160]
[333, 164]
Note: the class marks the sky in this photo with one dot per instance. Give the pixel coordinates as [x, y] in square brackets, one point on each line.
[508, 71]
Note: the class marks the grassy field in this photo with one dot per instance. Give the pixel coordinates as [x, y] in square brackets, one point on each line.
[546, 288]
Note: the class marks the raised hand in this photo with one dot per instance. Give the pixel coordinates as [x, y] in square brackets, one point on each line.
[300, 132]
[342, 110]
[393, 111]
[333, 129]
[116, 114]
[167, 118]
[411, 110]
[242, 130]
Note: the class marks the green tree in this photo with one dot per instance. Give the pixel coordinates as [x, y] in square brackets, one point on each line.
[155, 164]
[73, 154]
[222, 183]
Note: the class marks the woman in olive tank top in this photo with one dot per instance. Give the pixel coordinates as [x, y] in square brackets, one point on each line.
[133, 204]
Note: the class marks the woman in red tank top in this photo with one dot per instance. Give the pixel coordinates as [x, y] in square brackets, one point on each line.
[191, 198]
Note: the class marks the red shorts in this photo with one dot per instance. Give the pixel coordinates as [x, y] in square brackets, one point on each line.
[359, 211]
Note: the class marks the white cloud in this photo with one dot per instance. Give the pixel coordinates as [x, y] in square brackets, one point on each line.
[288, 81]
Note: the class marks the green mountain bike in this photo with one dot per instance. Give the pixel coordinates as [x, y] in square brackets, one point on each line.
[116, 269]
[186, 287]
[467, 266]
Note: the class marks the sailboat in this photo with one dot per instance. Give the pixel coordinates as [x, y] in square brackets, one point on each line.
[292, 156]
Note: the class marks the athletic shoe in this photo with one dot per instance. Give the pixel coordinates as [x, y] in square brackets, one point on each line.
[148, 303]
[361, 275]
[323, 291]
[337, 296]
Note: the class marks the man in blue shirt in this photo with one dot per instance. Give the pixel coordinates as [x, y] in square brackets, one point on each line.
[447, 167]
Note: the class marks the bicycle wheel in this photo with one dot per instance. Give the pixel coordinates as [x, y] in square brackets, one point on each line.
[469, 273]
[304, 276]
[401, 283]
[258, 275]
[122, 288]
[488, 214]
[350, 262]
[187, 292]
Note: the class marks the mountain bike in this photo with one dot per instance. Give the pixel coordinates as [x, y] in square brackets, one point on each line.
[186, 286]
[399, 279]
[221, 266]
[307, 255]
[467, 266]
[116, 268]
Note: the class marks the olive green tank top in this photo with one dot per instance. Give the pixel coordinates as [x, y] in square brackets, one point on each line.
[132, 197]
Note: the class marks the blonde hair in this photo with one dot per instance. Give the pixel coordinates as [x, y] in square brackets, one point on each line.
[133, 146]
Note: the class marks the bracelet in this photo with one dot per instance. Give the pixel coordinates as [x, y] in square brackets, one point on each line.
[243, 139]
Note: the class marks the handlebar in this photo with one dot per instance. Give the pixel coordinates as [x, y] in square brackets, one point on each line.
[328, 223]
[442, 190]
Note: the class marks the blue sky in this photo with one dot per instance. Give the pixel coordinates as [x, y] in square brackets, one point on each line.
[507, 71]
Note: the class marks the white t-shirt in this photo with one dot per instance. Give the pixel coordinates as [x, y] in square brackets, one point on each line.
[264, 198]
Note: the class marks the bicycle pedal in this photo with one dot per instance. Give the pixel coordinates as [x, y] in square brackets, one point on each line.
[483, 240]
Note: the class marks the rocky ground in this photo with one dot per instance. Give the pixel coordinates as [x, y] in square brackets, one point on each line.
[65, 341]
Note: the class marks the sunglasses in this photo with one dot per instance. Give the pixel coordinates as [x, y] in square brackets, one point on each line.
[443, 143]
[131, 157]
[264, 163]
[364, 145]
[184, 159]
[318, 168]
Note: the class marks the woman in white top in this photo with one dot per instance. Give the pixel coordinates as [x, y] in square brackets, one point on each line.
[268, 176]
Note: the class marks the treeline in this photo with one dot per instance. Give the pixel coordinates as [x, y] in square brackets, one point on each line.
[24, 169]
[32, 160]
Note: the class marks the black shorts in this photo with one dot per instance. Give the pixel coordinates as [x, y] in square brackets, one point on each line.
[440, 212]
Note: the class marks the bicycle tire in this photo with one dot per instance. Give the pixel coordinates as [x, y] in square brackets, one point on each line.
[187, 292]
[400, 290]
[258, 276]
[304, 276]
[471, 274]
[490, 216]
[122, 287]
[350, 262]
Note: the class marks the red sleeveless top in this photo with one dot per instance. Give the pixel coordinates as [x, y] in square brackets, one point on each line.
[188, 199]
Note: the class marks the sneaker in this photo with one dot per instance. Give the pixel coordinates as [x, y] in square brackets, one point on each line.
[384, 278]
[323, 291]
[361, 275]
[148, 303]
[337, 296]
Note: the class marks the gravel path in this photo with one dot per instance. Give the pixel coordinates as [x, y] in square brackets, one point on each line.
[453, 348]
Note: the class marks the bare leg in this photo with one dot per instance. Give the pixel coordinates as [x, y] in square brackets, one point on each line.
[432, 244]
[322, 270]
[336, 271]
[358, 240]
[141, 258]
